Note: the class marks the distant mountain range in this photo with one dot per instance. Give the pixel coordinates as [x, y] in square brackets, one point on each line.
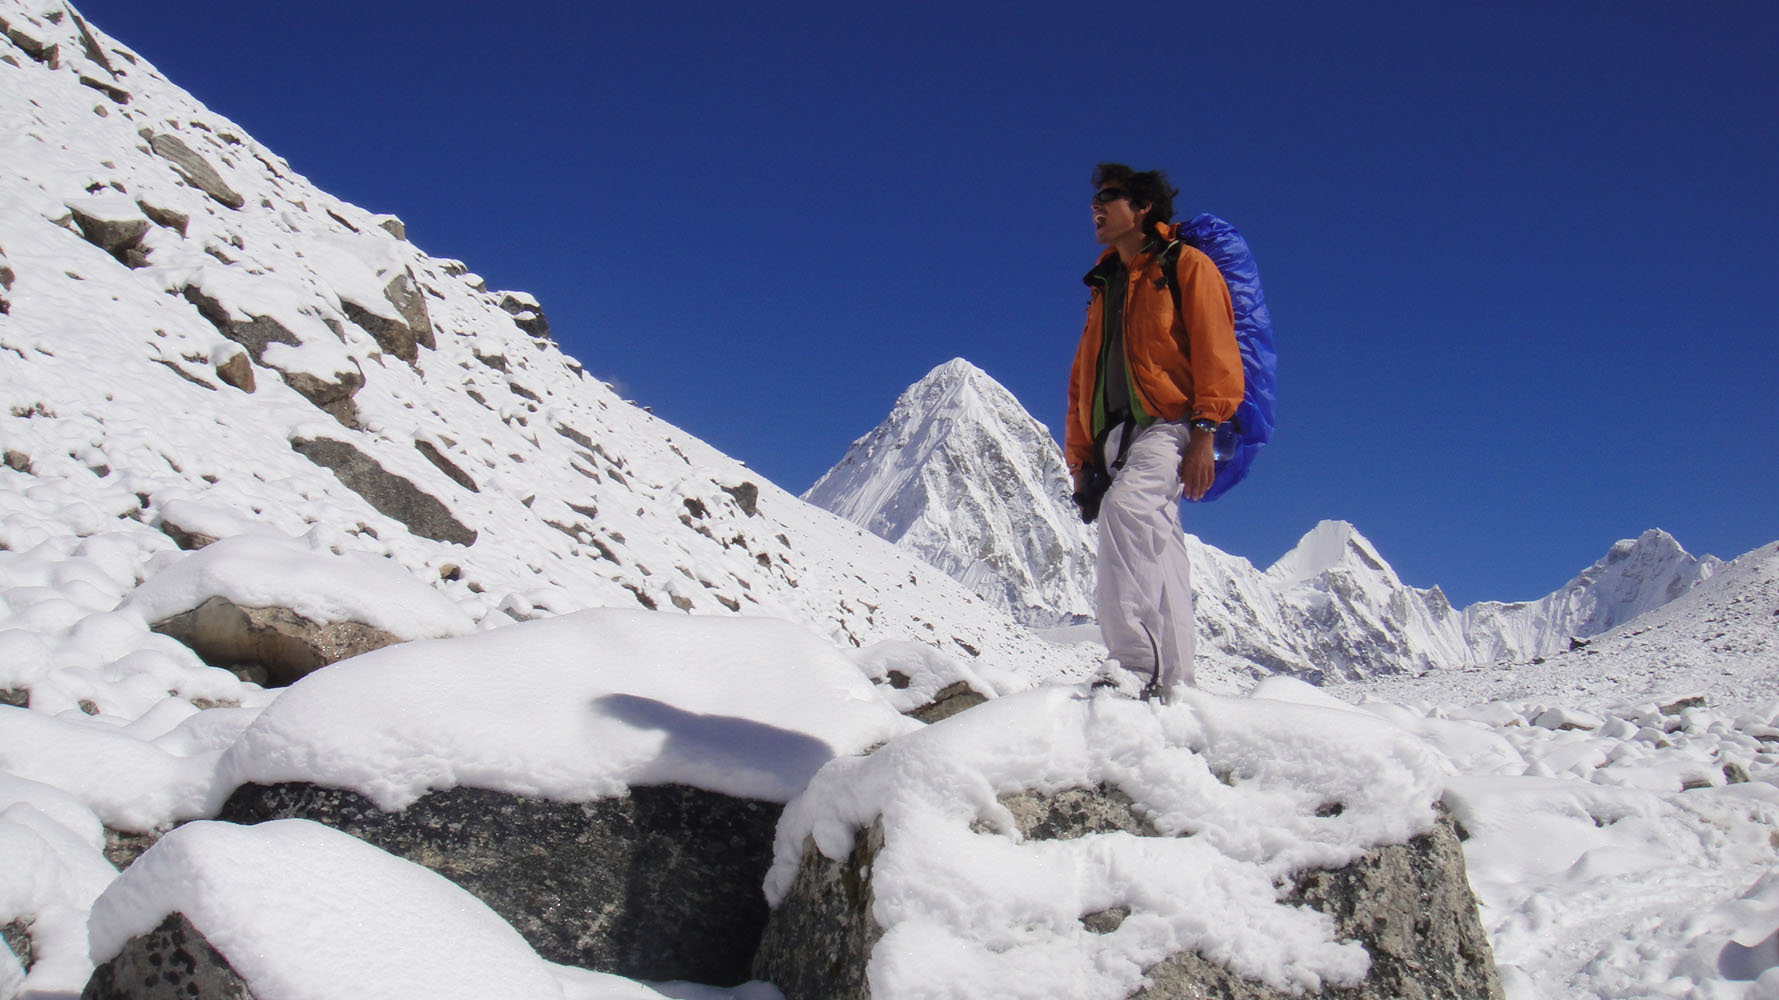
[963, 477]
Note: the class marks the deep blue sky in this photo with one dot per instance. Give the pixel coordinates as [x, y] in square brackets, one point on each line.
[1522, 258]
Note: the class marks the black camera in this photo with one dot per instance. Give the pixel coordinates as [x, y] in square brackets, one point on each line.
[1095, 481]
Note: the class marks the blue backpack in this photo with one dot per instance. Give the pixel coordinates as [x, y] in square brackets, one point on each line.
[1241, 437]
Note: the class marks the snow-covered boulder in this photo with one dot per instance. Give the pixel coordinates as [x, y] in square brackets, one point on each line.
[1263, 847]
[662, 883]
[922, 682]
[223, 912]
[276, 610]
[608, 781]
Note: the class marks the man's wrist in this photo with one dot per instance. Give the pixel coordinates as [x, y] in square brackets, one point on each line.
[1204, 425]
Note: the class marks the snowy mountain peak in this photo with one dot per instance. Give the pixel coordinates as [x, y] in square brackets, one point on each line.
[1329, 546]
[960, 475]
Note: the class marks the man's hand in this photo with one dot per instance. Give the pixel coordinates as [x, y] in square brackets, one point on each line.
[1198, 467]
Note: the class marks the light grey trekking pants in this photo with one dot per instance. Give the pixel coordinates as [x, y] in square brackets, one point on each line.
[1145, 585]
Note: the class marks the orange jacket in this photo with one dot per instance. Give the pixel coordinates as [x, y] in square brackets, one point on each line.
[1178, 371]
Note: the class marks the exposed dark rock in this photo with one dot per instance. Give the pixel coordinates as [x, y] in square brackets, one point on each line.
[196, 170]
[526, 313]
[16, 935]
[389, 493]
[661, 884]
[89, 44]
[114, 236]
[747, 497]
[238, 372]
[47, 53]
[106, 87]
[171, 962]
[333, 398]
[1409, 905]
[578, 437]
[183, 537]
[16, 697]
[284, 644]
[1075, 812]
[123, 847]
[951, 699]
[1680, 705]
[253, 333]
[17, 460]
[182, 373]
[392, 335]
[445, 465]
[819, 937]
[1105, 921]
[165, 217]
[403, 292]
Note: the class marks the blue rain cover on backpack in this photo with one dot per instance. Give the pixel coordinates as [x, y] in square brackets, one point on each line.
[1240, 439]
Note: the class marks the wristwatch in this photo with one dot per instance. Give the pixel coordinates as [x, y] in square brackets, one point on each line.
[1203, 424]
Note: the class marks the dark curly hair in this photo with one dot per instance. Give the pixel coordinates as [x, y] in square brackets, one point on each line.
[1146, 187]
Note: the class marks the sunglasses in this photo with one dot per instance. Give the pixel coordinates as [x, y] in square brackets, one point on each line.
[1105, 196]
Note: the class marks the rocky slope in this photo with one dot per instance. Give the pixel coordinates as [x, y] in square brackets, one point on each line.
[197, 343]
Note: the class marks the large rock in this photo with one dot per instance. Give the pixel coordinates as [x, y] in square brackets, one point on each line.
[401, 337]
[1409, 905]
[172, 962]
[192, 166]
[253, 333]
[392, 495]
[272, 646]
[662, 884]
[112, 223]
[331, 396]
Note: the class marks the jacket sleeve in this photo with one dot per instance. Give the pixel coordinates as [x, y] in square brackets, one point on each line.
[1210, 338]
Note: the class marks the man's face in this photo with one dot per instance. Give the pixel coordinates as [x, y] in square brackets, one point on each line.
[1114, 216]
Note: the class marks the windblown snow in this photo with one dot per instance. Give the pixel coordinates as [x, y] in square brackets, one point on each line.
[218, 382]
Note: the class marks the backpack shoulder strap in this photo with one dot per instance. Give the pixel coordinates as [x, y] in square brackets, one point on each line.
[1170, 270]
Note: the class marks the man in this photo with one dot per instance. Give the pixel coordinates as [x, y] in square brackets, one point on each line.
[1147, 390]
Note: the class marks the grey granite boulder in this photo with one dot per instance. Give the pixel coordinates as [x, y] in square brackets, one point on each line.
[403, 292]
[1409, 905]
[331, 396]
[171, 962]
[253, 333]
[109, 231]
[401, 337]
[390, 494]
[271, 646]
[192, 166]
[661, 884]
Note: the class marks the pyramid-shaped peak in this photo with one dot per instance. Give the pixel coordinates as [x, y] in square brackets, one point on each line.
[957, 369]
[1654, 543]
[953, 377]
[1328, 546]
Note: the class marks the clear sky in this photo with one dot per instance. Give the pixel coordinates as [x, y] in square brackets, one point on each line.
[1522, 258]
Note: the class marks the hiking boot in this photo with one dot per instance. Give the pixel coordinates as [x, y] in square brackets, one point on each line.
[1112, 674]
